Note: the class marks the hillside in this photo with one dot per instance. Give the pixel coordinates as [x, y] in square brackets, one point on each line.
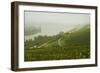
[79, 37]
[69, 45]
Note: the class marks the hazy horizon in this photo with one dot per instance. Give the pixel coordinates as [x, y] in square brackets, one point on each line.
[53, 23]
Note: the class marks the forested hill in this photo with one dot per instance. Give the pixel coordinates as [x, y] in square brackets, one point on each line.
[68, 45]
[77, 37]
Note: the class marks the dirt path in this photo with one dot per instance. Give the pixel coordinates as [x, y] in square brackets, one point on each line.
[44, 44]
[59, 42]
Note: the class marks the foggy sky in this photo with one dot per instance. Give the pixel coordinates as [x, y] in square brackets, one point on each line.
[54, 22]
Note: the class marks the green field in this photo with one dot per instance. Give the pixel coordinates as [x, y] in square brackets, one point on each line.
[65, 45]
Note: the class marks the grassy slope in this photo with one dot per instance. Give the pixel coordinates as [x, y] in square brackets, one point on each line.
[74, 45]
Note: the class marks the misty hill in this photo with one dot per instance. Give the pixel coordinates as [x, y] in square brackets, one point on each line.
[68, 45]
[73, 37]
[29, 30]
[79, 37]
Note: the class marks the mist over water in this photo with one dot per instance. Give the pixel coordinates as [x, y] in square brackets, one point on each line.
[52, 23]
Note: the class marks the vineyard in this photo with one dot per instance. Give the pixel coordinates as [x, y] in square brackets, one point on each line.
[65, 45]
